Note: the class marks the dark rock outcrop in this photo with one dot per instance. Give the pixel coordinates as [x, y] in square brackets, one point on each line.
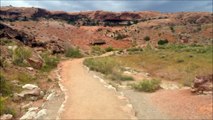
[202, 84]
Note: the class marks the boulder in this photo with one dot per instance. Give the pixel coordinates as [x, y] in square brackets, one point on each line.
[29, 68]
[30, 114]
[35, 63]
[40, 115]
[6, 117]
[33, 92]
[29, 86]
[202, 84]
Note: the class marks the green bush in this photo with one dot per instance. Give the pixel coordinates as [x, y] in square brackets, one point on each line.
[147, 85]
[146, 38]
[5, 87]
[51, 62]
[20, 54]
[73, 52]
[109, 49]
[163, 42]
[126, 78]
[96, 50]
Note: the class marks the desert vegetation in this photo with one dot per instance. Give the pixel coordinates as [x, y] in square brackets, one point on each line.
[147, 85]
[107, 66]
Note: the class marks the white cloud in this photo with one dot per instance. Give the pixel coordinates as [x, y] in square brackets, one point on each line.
[114, 5]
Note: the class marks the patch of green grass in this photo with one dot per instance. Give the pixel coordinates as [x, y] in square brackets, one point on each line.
[3, 62]
[5, 41]
[5, 87]
[126, 78]
[25, 78]
[4, 109]
[104, 65]
[51, 62]
[73, 52]
[20, 54]
[147, 85]
[172, 62]
[107, 66]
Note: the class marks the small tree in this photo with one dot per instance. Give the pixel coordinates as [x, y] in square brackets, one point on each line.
[146, 38]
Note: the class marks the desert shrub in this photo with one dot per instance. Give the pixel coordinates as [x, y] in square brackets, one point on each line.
[20, 54]
[73, 52]
[109, 49]
[147, 85]
[172, 28]
[72, 22]
[4, 109]
[96, 50]
[146, 38]
[5, 87]
[163, 42]
[51, 62]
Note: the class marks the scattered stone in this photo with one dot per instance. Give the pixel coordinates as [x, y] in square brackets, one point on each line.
[6, 117]
[30, 68]
[42, 93]
[33, 109]
[50, 96]
[29, 86]
[16, 97]
[12, 47]
[147, 74]
[127, 72]
[169, 86]
[33, 98]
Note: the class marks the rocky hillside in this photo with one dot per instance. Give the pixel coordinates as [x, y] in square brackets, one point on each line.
[103, 17]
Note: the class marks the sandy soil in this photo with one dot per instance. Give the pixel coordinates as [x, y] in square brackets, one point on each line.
[87, 97]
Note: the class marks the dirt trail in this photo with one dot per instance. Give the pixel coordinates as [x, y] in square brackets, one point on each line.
[87, 97]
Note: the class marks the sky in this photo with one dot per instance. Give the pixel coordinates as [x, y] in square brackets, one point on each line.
[115, 5]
